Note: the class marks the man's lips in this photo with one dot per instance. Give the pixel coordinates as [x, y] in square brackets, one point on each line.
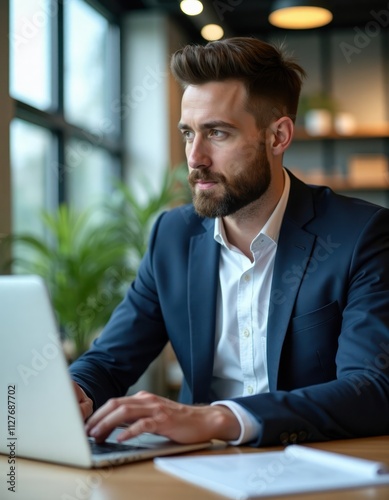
[205, 184]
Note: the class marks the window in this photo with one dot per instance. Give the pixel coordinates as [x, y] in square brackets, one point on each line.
[88, 176]
[86, 70]
[30, 56]
[33, 182]
[64, 77]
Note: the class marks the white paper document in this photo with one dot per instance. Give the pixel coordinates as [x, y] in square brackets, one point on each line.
[297, 469]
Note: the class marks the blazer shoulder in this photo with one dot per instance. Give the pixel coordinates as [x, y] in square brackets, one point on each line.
[184, 218]
[313, 202]
[355, 210]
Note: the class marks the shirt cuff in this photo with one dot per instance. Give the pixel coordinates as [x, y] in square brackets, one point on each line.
[250, 428]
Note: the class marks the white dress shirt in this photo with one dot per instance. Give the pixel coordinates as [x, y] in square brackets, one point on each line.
[240, 364]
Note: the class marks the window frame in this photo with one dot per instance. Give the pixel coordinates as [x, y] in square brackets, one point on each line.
[54, 119]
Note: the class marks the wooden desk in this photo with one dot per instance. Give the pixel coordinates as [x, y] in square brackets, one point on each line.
[141, 481]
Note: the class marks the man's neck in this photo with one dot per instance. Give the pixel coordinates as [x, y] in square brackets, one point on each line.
[243, 226]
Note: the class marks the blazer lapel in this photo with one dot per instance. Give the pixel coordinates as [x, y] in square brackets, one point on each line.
[293, 252]
[202, 296]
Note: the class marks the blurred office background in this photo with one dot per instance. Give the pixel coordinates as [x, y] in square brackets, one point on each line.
[86, 98]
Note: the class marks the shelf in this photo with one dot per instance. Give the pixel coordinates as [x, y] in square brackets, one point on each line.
[365, 132]
[343, 183]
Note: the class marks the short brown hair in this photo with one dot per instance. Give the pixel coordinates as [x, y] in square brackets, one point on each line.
[272, 80]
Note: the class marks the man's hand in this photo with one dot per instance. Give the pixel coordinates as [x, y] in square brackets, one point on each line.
[86, 404]
[145, 412]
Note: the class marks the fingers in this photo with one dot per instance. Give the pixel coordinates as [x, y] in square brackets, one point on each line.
[137, 428]
[86, 404]
[107, 418]
[121, 411]
[86, 409]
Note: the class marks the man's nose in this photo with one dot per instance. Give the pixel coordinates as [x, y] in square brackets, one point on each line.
[198, 155]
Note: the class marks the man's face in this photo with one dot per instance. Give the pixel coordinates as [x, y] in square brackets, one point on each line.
[226, 152]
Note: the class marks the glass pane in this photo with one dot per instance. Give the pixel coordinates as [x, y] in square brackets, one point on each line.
[86, 68]
[30, 66]
[31, 148]
[89, 174]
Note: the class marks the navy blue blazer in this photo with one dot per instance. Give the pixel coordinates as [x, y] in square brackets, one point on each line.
[328, 327]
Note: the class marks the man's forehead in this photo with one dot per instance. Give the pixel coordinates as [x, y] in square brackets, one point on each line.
[213, 101]
[227, 101]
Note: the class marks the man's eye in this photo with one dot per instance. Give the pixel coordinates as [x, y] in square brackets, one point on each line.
[217, 133]
[187, 135]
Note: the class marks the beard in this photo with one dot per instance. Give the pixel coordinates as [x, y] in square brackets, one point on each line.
[247, 185]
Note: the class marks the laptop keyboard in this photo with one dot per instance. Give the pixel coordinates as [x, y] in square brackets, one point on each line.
[101, 448]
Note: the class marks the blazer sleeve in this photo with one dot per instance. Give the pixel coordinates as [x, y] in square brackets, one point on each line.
[130, 341]
[356, 402]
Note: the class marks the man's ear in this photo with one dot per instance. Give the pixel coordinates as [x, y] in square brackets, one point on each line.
[280, 135]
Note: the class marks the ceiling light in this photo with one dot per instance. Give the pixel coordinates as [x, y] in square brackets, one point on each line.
[212, 32]
[299, 15]
[191, 7]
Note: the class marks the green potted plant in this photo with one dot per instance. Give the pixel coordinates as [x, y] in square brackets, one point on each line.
[84, 265]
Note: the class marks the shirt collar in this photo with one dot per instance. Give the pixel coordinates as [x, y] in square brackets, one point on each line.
[273, 225]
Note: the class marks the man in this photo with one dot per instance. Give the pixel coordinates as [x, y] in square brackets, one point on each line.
[274, 294]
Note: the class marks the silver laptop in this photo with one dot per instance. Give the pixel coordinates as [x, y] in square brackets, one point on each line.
[39, 414]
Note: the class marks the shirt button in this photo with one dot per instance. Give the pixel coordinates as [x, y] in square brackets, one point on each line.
[246, 333]
[284, 438]
[250, 390]
[246, 277]
[293, 438]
